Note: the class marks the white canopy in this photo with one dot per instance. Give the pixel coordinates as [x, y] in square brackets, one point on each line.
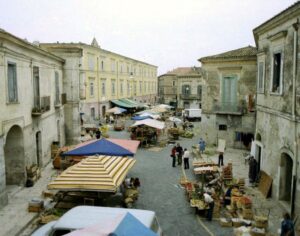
[151, 123]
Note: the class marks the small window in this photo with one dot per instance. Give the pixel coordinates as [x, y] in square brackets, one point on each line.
[91, 60]
[113, 87]
[102, 65]
[121, 87]
[186, 89]
[128, 88]
[222, 127]
[91, 88]
[12, 82]
[103, 87]
[261, 74]
[199, 91]
[277, 67]
[174, 83]
[93, 112]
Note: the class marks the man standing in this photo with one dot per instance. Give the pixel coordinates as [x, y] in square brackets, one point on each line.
[210, 201]
[186, 156]
[221, 159]
[173, 156]
[202, 145]
[179, 152]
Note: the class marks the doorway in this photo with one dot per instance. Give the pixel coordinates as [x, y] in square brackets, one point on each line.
[14, 156]
[103, 111]
[286, 175]
[38, 140]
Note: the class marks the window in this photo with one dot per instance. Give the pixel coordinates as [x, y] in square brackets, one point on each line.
[12, 82]
[121, 87]
[113, 87]
[128, 88]
[103, 81]
[92, 88]
[260, 76]
[199, 91]
[186, 89]
[121, 67]
[222, 127]
[91, 60]
[93, 112]
[141, 86]
[174, 83]
[113, 65]
[277, 73]
[57, 98]
[102, 65]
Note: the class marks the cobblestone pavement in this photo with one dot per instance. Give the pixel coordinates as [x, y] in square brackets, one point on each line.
[160, 191]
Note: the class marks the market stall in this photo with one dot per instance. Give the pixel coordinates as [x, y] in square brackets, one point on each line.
[147, 131]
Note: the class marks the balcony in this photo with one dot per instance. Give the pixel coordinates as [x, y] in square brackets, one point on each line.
[190, 97]
[231, 108]
[41, 105]
[60, 101]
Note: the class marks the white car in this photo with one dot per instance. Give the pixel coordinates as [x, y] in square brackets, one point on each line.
[85, 216]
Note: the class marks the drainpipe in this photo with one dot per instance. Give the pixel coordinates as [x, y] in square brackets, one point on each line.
[294, 179]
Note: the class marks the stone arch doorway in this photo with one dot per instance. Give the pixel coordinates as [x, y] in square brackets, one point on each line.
[103, 111]
[286, 176]
[14, 156]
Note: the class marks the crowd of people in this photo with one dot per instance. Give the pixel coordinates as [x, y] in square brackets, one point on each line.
[180, 154]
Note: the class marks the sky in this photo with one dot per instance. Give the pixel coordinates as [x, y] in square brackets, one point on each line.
[165, 33]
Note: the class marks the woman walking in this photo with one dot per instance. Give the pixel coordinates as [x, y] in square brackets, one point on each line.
[186, 156]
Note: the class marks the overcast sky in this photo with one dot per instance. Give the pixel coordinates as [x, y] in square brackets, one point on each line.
[166, 33]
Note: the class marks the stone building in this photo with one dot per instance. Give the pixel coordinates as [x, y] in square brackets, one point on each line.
[31, 104]
[181, 87]
[228, 97]
[94, 77]
[277, 135]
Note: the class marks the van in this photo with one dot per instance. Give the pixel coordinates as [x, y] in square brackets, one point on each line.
[84, 216]
[192, 114]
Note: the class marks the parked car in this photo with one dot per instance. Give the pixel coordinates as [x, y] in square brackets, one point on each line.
[85, 216]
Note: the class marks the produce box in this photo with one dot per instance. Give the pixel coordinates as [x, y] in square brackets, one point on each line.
[225, 222]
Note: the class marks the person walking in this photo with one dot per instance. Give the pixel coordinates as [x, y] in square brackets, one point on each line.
[186, 156]
[287, 226]
[211, 204]
[179, 152]
[221, 159]
[173, 156]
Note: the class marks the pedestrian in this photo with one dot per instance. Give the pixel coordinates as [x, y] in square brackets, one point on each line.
[173, 156]
[211, 204]
[287, 226]
[98, 134]
[179, 152]
[186, 156]
[202, 145]
[221, 159]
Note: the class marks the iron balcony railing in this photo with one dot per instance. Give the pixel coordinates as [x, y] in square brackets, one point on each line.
[41, 105]
[229, 108]
[190, 96]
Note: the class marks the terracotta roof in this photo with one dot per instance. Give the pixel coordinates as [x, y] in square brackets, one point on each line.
[179, 71]
[248, 51]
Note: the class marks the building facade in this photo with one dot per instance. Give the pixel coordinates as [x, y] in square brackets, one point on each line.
[181, 87]
[94, 77]
[31, 104]
[228, 97]
[277, 135]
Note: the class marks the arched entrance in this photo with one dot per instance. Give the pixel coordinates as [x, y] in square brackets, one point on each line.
[286, 175]
[14, 156]
[103, 111]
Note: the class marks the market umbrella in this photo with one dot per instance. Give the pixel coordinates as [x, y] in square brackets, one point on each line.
[99, 147]
[116, 110]
[97, 173]
[123, 225]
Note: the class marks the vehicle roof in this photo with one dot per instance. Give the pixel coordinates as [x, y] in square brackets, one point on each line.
[84, 216]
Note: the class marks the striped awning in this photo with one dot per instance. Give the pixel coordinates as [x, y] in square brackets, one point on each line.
[96, 173]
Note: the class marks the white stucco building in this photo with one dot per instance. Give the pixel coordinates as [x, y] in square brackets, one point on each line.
[31, 102]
